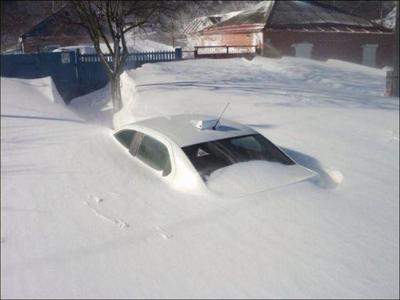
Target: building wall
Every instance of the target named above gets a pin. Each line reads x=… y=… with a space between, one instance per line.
x=335 y=45
x=35 y=44
x=232 y=39
x=325 y=45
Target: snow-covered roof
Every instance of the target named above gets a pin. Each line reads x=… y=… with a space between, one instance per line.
x=389 y=21
x=200 y=23
x=277 y=14
x=255 y=15
x=306 y=12
x=183 y=131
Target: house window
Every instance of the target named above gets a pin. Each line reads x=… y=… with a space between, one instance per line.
x=303 y=49
x=369 y=55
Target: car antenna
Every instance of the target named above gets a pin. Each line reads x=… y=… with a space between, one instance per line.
x=216 y=123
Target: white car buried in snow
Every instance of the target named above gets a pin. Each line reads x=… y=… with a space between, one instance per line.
x=197 y=153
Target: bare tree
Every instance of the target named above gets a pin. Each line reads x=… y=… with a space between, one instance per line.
x=108 y=22
x=173 y=23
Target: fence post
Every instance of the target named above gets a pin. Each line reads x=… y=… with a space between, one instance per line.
x=389 y=83
x=178 y=53
x=77 y=70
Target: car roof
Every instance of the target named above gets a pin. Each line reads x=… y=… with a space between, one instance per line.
x=183 y=131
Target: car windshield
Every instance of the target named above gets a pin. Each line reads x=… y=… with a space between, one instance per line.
x=210 y=156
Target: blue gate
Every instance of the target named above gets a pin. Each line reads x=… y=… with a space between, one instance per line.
x=74 y=74
x=91 y=73
x=60 y=66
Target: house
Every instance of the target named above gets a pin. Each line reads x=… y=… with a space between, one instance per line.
x=304 y=29
x=194 y=27
x=53 y=32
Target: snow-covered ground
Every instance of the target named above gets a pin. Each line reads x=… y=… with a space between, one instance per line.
x=80 y=218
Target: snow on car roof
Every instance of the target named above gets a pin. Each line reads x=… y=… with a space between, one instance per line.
x=183 y=131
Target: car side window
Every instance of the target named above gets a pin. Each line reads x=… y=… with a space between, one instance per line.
x=155 y=154
x=125 y=137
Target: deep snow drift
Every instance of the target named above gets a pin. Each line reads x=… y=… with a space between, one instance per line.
x=80 y=218
x=251 y=177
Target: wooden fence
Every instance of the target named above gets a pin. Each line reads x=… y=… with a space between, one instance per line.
x=73 y=73
x=225 y=51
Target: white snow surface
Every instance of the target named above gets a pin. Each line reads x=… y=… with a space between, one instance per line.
x=81 y=219
x=252 y=177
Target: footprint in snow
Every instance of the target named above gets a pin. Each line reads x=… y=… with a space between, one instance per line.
x=94 y=202
x=165 y=235
x=394 y=135
x=95 y=198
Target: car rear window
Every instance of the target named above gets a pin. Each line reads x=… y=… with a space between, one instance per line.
x=210 y=156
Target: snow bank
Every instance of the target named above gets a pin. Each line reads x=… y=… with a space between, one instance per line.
x=21 y=96
x=83 y=49
x=43 y=86
x=254 y=176
x=95 y=107
x=129 y=95
x=191 y=87
x=81 y=219
x=48 y=89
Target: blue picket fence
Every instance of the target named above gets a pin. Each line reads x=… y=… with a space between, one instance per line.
x=74 y=74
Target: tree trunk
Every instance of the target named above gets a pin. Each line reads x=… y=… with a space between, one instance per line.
x=116 y=92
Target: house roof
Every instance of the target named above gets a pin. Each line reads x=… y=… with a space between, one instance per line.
x=200 y=23
x=55 y=25
x=308 y=12
x=284 y=14
x=255 y=15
